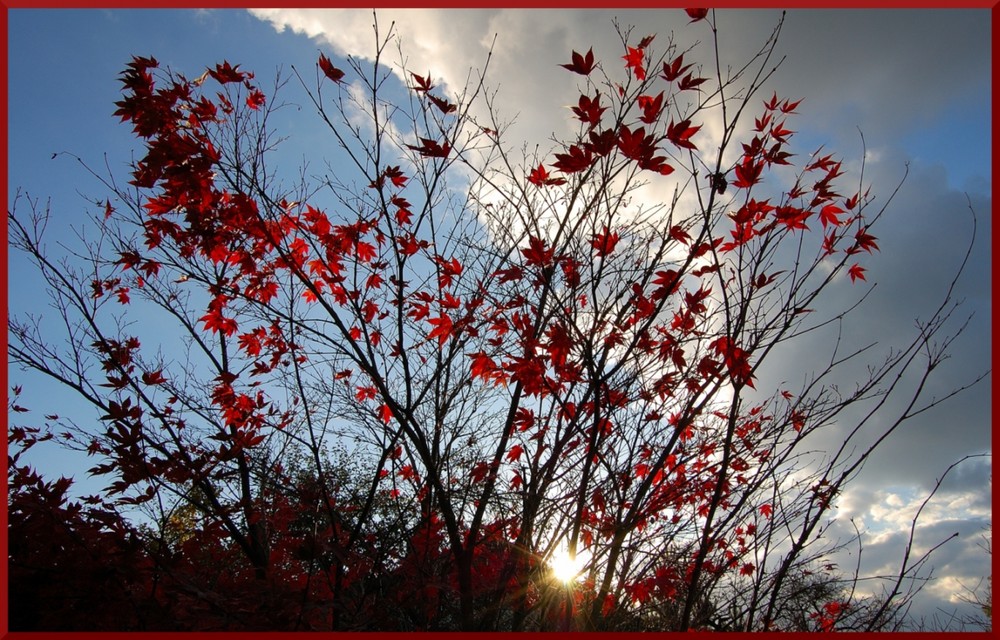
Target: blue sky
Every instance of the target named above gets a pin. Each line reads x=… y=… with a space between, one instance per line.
x=917 y=83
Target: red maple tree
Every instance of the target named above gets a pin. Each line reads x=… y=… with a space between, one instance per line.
x=391 y=408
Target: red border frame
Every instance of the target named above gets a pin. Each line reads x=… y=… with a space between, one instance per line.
x=508 y=4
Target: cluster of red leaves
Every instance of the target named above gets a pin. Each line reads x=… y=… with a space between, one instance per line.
x=632 y=141
x=758 y=218
x=828 y=616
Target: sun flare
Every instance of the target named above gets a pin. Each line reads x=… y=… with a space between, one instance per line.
x=566 y=568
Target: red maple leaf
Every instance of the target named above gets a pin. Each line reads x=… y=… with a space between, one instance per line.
x=225 y=73
x=516 y=481
x=762 y=123
x=409 y=245
x=864 y=242
x=789 y=107
x=576 y=159
x=403 y=214
x=216 y=322
x=448 y=270
x=329 y=70
x=431 y=148
x=442 y=104
x=603 y=143
x=633 y=60
x=798 y=421
x=748 y=173
x=651 y=107
x=423 y=82
x=385 y=413
x=604 y=242
x=480 y=471
x=636 y=144
x=780 y=133
x=515 y=453
x=540 y=177
x=418 y=310
x=673 y=70
x=571 y=273
x=369 y=311
x=153 y=377
x=484 y=368
x=589 y=110
x=524 y=419
x=560 y=343
x=443 y=327
x=689 y=82
x=657 y=164
x=681 y=132
x=536 y=253
x=828 y=215
x=824 y=164
x=857 y=272
x=395 y=176
x=792 y=217
x=509 y=275
x=668 y=282
x=582 y=64
x=256 y=99
x=366 y=252
x=679 y=234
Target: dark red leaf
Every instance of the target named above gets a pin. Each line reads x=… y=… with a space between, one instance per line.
x=480 y=471
x=673 y=70
x=153 y=377
x=431 y=148
x=680 y=134
x=864 y=242
x=696 y=14
x=582 y=64
x=423 y=83
x=537 y=254
x=689 y=82
x=225 y=73
x=604 y=242
x=589 y=110
x=576 y=159
x=330 y=71
x=442 y=104
x=651 y=107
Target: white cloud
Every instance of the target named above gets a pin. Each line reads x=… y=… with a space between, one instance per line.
x=428 y=35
